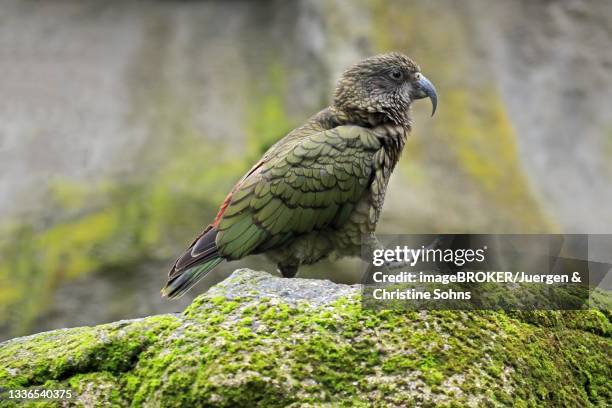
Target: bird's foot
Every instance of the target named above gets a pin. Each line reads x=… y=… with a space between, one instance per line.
x=288 y=271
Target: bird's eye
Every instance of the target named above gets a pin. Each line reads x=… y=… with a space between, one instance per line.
x=397 y=74
x=417 y=76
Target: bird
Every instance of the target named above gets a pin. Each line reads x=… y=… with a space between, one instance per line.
x=318 y=191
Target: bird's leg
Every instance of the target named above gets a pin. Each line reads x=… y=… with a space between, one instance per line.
x=371 y=244
x=288 y=271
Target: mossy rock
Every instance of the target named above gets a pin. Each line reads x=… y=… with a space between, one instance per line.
x=259 y=340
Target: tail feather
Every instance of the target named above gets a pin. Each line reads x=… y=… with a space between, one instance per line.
x=180 y=284
x=201 y=257
x=202 y=249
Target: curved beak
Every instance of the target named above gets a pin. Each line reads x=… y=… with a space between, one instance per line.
x=425 y=89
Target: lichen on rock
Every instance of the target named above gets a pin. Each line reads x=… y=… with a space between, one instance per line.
x=260 y=340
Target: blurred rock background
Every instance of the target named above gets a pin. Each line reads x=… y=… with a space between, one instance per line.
x=124 y=123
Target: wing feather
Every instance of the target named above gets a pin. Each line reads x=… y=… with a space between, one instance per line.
x=312 y=184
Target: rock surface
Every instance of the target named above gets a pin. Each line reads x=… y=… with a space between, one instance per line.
x=259 y=340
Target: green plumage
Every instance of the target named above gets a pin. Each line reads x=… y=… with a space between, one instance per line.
x=320 y=189
x=299 y=191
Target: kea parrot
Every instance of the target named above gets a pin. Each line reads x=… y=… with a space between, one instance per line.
x=319 y=190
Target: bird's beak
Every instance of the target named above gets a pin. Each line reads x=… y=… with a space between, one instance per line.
x=423 y=88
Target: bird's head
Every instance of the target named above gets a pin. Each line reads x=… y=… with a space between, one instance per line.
x=385 y=84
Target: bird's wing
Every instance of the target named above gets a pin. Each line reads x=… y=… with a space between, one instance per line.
x=310 y=184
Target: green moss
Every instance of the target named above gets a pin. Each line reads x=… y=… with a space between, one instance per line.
x=248 y=351
x=594 y=321
x=113 y=348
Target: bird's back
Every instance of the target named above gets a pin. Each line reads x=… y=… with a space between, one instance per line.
x=323 y=120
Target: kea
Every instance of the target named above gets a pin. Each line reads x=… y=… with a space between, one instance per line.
x=317 y=192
